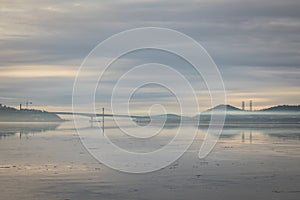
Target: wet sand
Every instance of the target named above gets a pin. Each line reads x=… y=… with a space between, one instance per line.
x=245 y=164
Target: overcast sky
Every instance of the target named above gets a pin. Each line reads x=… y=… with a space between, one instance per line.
x=255 y=44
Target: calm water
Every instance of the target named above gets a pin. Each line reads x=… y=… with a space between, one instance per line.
x=48 y=161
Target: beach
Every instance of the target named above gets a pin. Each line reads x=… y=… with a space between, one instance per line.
x=246 y=163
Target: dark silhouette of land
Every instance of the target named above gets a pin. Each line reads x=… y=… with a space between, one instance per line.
x=233 y=116
x=283 y=108
x=9 y=114
x=278 y=108
x=276 y=114
x=286 y=114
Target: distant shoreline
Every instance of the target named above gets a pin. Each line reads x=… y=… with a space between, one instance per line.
x=9 y=114
x=277 y=114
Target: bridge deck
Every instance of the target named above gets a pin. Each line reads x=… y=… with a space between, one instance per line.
x=96 y=115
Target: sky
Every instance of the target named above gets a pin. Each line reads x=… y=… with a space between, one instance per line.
x=255 y=44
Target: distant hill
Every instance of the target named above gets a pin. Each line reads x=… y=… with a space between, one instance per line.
x=170 y=117
x=283 y=108
x=167 y=115
x=222 y=107
x=276 y=114
x=9 y=114
x=164 y=118
x=232 y=109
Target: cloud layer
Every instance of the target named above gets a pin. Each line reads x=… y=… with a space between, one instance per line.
x=256 y=44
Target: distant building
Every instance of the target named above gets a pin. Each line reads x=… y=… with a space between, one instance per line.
x=243 y=105
x=250 y=105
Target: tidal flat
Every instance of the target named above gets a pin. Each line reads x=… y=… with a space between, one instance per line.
x=48 y=161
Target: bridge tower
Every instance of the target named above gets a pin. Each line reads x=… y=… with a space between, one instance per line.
x=250 y=105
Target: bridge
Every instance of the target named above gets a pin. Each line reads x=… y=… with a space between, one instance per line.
x=92 y=115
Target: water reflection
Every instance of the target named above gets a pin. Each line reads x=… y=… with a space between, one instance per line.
x=285 y=135
x=23 y=129
x=249 y=133
x=244 y=133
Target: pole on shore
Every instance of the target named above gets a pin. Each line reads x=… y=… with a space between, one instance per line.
x=92 y=121
x=103 y=119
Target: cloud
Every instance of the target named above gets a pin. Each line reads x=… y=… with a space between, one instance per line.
x=38 y=71
x=255 y=43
